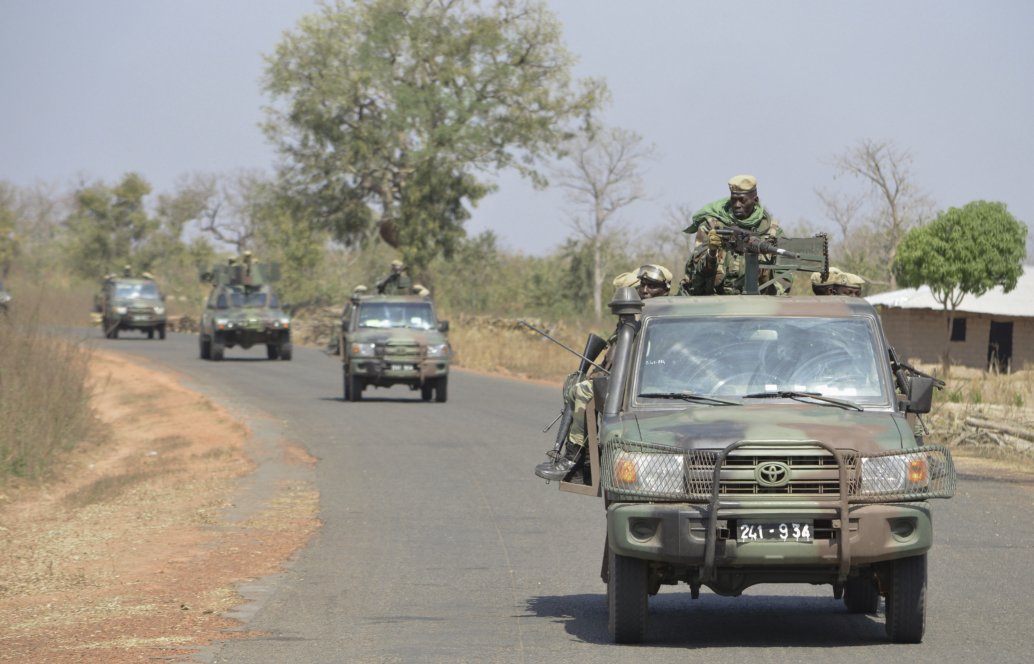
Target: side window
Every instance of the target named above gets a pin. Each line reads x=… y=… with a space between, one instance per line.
x=220 y=302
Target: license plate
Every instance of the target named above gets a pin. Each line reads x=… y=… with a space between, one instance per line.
x=402 y=367
x=774 y=531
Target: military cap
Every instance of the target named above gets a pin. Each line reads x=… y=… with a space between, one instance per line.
x=396 y=263
x=743 y=184
x=420 y=289
x=657 y=273
x=359 y=289
x=626 y=280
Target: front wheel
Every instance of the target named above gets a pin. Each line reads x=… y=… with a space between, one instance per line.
x=353 y=387
x=272 y=351
x=161 y=331
x=150 y=333
x=205 y=347
x=285 y=352
x=627 y=595
x=906 y=600
x=861 y=595
x=218 y=349
x=441 y=389
x=427 y=390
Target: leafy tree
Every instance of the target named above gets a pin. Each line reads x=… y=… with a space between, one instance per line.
x=107 y=226
x=389 y=113
x=964 y=251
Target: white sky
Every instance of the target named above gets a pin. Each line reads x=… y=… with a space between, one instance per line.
x=96 y=89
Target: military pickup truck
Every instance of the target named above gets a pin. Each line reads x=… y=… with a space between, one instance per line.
x=390 y=340
x=243 y=310
x=127 y=303
x=749 y=439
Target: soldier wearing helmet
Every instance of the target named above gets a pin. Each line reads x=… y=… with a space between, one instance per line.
x=398 y=281
x=712 y=269
x=650 y=281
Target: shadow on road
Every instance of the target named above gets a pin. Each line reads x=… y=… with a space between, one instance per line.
x=757 y=621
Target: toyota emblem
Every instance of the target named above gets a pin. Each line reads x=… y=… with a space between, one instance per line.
x=772 y=474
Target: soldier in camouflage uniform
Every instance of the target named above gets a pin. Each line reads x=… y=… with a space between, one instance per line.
x=837 y=283
x=649 y=281
x=713 y=269
x=398 y=282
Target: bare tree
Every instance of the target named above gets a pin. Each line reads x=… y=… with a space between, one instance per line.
x=229 y=211
x=895 y=203
x=601 y=176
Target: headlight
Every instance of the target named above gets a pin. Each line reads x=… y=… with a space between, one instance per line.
x=899 y=473
x=121 y=310
x=159 y=310
x=438 y=350
x=363 y=350
x=650 y=473
x=221 y=322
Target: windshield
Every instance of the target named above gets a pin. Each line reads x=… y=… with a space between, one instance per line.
x=733 y=357
x=416 y=315
x=147 y=291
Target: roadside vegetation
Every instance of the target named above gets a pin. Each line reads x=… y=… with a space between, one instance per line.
x=44 y=395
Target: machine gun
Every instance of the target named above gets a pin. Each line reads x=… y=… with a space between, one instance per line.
x=560 y=464
x=790 y=254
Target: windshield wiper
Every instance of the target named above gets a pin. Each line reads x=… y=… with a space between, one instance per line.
x=689 y=396
x=799 y=396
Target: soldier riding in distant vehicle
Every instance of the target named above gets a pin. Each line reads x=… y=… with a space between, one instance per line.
x=398 y=282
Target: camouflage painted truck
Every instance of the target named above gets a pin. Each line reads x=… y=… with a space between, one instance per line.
x=394 y=340
x=243 y=310
x=751 y=439
x=128 y=303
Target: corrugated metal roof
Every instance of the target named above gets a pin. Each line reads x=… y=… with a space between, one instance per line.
x=1018 y=302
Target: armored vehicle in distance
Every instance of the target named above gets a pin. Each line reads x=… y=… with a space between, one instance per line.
x=243 y=310
x=128 y=303
x=394 y=340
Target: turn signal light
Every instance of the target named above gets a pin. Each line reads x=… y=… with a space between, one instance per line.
x=917 y=471
x=624 y=471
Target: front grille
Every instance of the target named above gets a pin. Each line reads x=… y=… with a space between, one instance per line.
x=809 y=474
x=401 y=353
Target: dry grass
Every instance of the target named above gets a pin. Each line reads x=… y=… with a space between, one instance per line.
x=44 y=400
x=500 y=345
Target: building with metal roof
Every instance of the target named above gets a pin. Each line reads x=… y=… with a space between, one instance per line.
x=990 y=331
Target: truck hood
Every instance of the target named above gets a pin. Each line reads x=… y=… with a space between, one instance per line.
x=399 y=336
x=715 y=427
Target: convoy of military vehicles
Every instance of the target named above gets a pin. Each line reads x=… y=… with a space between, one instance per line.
x=734 y=439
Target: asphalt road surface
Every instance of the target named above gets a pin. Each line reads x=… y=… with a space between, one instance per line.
x=439 y=544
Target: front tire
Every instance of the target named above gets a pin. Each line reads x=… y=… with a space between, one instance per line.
x=441 y=389
x=161 y=331
x=286 y=351
x=218 y=349
x=861 y=595
x=427 y=390
x=205 y=347
x=906 y=600
x=272 y=352
x=353 y=387
x=627 y=595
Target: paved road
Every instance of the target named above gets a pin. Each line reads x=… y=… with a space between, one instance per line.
x=439 y=545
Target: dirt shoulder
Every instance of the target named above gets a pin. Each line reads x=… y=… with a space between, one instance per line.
x=131 y=553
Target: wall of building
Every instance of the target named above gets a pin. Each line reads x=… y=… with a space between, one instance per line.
x=918 y=334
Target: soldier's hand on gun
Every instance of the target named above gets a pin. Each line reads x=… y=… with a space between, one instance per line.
x=714 y=240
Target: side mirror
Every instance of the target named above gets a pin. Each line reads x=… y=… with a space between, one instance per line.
x=443 y=326
x=920 y=394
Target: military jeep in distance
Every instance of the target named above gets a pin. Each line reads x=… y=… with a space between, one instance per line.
x=243 y=310
x=390 y=340
x=127 y=303
x=745 y=439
